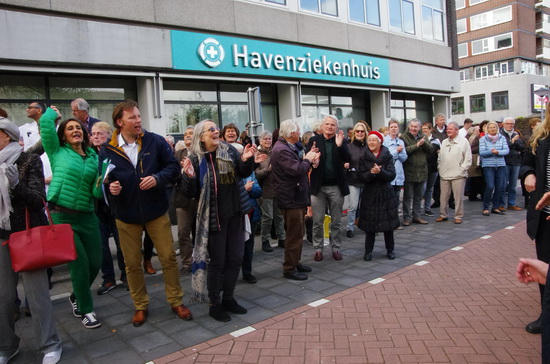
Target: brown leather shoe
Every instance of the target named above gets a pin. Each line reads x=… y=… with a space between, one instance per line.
x=318 y=256
x=458 y=221
x=182 y=312
x=336 y=255
x=515 y=208
x=419 y=221
x=502 y=208
x=148 y=267
x=441 y=219
x=140 y=316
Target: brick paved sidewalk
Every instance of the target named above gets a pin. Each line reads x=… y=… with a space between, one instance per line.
x=463 y=305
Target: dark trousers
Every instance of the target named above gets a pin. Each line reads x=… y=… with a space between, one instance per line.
x=542 y=244
x=106 y=227
x=388 y=239
x=294 y=228
x=226 y=249
x=249 y=250
x=147 y=247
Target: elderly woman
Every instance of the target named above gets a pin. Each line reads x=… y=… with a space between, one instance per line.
x=101 y=134
x=270 y=210
x=213 y=174
x=534 y=173
x=356 y=149
x=492 y=149
x=71 y=199
x=378 y=212
x=22 y=187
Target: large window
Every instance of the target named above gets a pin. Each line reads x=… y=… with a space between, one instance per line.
x=477 y=103
x=402 y=16
x=461 y=26
x=492 y=44
x=187 y=103
x=491 y=18
x=347 y=105
x=499 y=100
x=327 y=7
x=494 y=70
x=463 y=50
x=365 y=11
x=457 y=105
x=464 y=74
x=432 y=19
x=102 y=94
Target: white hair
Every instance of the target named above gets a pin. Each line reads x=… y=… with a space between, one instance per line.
x=288 y=127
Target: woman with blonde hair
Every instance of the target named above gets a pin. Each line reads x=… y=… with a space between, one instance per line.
x=534 y=174
x=356 y=149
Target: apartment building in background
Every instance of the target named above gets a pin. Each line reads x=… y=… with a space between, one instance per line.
x=504 y=58
x=185 y=61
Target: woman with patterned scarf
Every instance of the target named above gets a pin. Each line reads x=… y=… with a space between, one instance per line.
x=213 y=175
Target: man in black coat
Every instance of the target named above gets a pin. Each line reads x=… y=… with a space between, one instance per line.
x=329 y=185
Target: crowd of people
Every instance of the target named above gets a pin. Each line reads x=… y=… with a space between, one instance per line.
x=117 y=179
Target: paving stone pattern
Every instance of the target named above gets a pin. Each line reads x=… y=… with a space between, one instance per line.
x=463 y=306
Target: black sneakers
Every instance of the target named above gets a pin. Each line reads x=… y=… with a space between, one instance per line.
x=90 y=321
x=106 y=287
x=76 y=311
x=233 y=307
x=218 y=313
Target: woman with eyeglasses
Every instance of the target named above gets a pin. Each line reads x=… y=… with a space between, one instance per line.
x=213 y=175
x=357 y=147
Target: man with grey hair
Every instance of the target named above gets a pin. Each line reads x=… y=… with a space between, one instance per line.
x=513 y=164
x=290 y=177
x=440 y=129
x=80 y=108
x=329 y=185
x=418 y=148
x=455 y=157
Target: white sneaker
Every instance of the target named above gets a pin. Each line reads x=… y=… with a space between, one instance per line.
x=90 y=321
x=6 y=359
x=52 y=357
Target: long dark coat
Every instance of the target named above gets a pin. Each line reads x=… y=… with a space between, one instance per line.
x=378 y=210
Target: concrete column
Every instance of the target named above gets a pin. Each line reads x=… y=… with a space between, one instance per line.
x=146 y=95
x=442 y=104
x=287 y=102
x=379 y=106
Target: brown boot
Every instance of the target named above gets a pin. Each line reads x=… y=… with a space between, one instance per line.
x=148 y=267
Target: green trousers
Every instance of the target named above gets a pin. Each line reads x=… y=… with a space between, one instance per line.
x=88 y=249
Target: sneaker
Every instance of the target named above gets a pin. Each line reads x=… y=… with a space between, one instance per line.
x=90 y=321
x=350 y=234
x=52 y=357
x=106 y=287
x=76 y=311
x=428 y=213
x=6 y=359
x=249 y=278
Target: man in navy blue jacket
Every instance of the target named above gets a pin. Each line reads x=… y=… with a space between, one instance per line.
x=144 y=165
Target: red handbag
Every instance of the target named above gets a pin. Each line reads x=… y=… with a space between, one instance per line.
x=42 y=246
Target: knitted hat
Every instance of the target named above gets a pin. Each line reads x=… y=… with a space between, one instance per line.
x=9 y=128
x=378 y=134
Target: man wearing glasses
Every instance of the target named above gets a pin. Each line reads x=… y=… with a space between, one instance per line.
x=29 y=132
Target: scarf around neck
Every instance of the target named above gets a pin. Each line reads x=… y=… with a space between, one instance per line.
x=8 y=156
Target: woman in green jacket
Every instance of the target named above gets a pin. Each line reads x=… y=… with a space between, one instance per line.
x=70 y=198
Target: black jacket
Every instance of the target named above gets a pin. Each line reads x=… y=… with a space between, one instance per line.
x=378 y=211
x=191 y=187
x=155 y=158
x=340 y=155
x=356 y=150
x=28 y=193
x=535 y=164
x=516 y=149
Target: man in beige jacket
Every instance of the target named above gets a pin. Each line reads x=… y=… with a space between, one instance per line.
x=455 y=157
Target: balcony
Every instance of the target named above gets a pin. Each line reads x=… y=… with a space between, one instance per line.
x=543 y=27
x=542 y=3
x=543 y=53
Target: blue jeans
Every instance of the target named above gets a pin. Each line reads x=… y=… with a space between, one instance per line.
x=354 y=195
x=510 y=183
x=432 y=177
x=494 y=180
